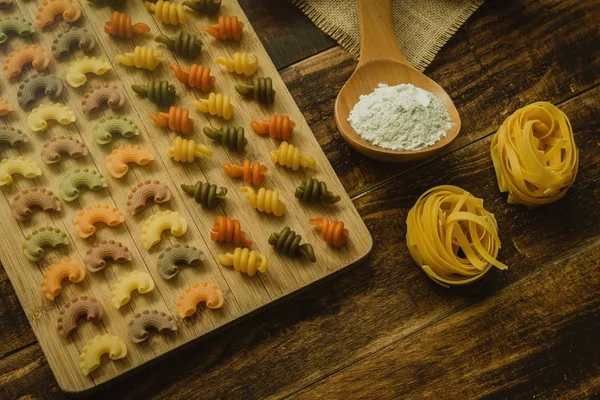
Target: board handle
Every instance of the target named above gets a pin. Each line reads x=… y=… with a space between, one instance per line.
x=378 y=39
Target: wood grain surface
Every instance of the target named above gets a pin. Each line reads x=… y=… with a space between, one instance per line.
x=383 y=330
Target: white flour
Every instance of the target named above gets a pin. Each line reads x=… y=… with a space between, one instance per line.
x=401 y=117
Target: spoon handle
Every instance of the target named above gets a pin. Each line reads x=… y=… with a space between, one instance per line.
x=378 y=40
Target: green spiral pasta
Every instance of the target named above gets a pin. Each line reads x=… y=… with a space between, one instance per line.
x=288 y=242
x=209 y=7
x=182 y=44
x=313 y=190
x=205 y=194
x=261 y=90
x=231 y=137
x=159 y=92
x=110 y=3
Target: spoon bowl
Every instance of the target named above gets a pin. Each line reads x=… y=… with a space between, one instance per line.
x=382 y=62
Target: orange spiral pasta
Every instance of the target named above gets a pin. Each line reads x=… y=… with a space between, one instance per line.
x=226 y=28
x=120 y=26
x=253 y=173
x=196 y=77
x=229 y=230
x=333 y=232
x=177 y=119
x=278 y=127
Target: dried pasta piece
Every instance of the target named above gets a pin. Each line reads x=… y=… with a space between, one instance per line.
x=149 y=319
x=184 y=150
x=266 y=200
x=38 y=117
x=17 y=25
x=157 y=223
x=70 y=182
x=240 y=63
x=205 y=292
x=23 y=204
x=109 y=126
x=253 y=173
x=38 y=85
x=25 y=167
x=196 y=76
x=120 y=25
x=49 y=9
x=452 y=237
x=229 y=230
x=110 y=3
x=169 y=260
x=289 y=156
x=117 y=162
x=94 y=349
x=333 y=232
x=77 y=308
x=208 y=7
x=16 y=61
x=288 y=242
x=313 y=190
x=73 y=37
x=231 y=137
x=93 y=99
x=182 y=44
x=96 y=257
x=86 y=218
x=167 y=12
x=36 y=241
x=535 y=156
x=260 y=90
x=177 y=119
x=143 y=57
x=245 y=261
x=277 y=126
x=161 y=93
x=5 y=108
x=12 y=136
x=226 y=28
x=145 y=191
x=217 y=104
x=134 y=280
x=52 y=149
x=205 y=194
x=65 y=268
x=75 y=72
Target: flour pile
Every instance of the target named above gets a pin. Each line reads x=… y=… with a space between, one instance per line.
x=402 y=117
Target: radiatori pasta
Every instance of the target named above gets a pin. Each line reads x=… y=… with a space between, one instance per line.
x=452 y=237
x=534 y=155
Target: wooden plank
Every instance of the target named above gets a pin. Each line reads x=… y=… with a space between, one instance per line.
x=536 y=338
x=505 y=56
x=243 y=295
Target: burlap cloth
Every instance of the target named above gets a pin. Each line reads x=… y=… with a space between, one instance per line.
x=422 y=26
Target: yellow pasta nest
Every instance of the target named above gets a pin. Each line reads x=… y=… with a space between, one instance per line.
x=135 y=280
x=184 y=150
x=17 y=165
x=266 y=200
x=535 y=156
x=240 y=63
x=217 y=104
x=287 y=155
x=95 y=348
x=245 y=261
x=75 y=73
x=143 y=57
x=452 y=237
x=167 y=12
x=157 y=223
x=38 y=117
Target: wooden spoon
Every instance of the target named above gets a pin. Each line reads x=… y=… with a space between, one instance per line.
x=381 y=61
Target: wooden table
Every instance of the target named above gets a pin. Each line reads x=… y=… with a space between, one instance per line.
x=382 y=329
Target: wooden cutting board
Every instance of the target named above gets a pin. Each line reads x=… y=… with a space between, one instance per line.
x=242 y=294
